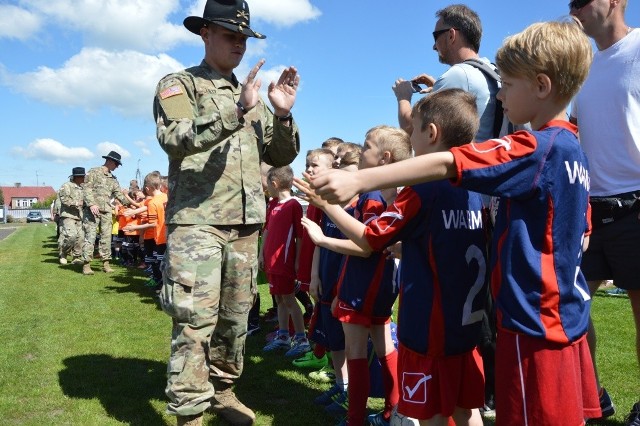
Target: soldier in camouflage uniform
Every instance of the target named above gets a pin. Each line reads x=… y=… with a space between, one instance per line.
x=100 y=186
x=71 y=236
x=215 y=132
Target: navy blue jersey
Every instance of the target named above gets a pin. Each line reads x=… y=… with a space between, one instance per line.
x=330 y=262
x=543 y=180
x=443 y=278
x=366 y=284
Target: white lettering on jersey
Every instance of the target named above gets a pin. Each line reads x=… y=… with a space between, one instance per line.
x=579 y=172
x=458 y=219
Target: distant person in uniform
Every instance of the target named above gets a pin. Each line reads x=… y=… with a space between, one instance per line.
x=100 y=186
x=71 y=236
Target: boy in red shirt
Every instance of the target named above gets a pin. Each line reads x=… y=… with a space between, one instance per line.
x=280 y=256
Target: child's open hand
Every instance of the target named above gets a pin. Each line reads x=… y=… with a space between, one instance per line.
x=309 y=194
x=335 y=186
x=313 y=229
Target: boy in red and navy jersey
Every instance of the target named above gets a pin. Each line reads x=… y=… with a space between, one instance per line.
x=442 y=278
x=545 y=373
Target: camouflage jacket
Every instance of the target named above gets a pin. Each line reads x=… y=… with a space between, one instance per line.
x=100 y=186
x=71 y=197
x=214 y=158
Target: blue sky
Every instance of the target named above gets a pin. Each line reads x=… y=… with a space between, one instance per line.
x=77 y=77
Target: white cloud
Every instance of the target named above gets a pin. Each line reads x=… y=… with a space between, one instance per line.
x=105 y=148
x=143 y=147
x=52 y=150
x=282 y=13
x=117 y=24
x=17 y=23
x=95 y=78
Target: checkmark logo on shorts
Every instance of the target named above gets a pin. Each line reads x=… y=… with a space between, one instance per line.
x=411 y=384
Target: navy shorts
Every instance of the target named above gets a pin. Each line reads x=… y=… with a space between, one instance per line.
x=332 y=328
x=614 y=253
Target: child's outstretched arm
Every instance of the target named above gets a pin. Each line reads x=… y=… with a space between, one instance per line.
x=351 y=227
x=347 y=247
x=336 y=186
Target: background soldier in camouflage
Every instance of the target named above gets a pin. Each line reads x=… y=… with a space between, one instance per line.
x=100 y=186
x=215 y=132
x=71 y=236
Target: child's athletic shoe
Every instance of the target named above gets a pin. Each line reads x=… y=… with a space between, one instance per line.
x=616 y=292
x=298 y=347
x=488 y=411
x=271 y=315
x=252 y=329
x=377 y=420
x=280 y=342
x=339 y=406
x=633 y=419
x=606 y=406
x=326 y=397
x=309 y=360
x=325 y=375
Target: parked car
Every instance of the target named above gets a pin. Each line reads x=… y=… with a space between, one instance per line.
x=34 y=217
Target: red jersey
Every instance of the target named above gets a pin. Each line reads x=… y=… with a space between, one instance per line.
x=283 y=228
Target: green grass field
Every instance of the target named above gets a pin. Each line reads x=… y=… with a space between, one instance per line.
x=93 y=350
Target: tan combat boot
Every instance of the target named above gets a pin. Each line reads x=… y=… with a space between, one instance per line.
x=195 y=420
x=86 y=269
x=106 y=267
x=226 y=405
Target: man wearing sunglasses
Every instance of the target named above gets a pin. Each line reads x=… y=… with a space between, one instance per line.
x=607 y=111
x=456 y=38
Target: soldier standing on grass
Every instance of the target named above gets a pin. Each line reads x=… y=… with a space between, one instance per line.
x=215 y=132
x=71 y=236
x=100 y=187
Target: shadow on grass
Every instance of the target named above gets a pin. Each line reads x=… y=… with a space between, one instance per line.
x=132 y=281
x=124 y=386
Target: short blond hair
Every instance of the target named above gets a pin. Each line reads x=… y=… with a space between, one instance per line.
x=560 y=50
x=392 y=139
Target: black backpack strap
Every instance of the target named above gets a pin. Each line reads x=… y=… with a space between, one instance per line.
x=485 y=68
x=491 y=73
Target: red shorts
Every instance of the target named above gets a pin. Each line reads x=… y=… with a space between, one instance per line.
x=345 y=313
x=281 y=284
x=437 y=385
x=544 y=383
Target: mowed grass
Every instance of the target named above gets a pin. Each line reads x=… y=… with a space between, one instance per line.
x=93 y=350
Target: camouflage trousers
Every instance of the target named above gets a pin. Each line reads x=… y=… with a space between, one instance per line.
x=71 y=238
x=208 y=289
x=90 y=224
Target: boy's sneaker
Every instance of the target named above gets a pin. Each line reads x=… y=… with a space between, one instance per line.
x=326 y=397
x=633 y=419
x=280 y=342
x=151 y=282
x=606 y=406
x=271 y=315
x=339 y=406
x=252 y=329
x=616 y=292
x=377 y=420
x=299 y=347
x=325 y=375
x=309 y=360
x=488 y=411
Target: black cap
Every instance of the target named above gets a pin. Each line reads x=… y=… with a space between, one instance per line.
x=77 y=171
x=113 y=156
x=230 y=14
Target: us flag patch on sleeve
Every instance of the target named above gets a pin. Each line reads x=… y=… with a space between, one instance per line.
x=171 y=91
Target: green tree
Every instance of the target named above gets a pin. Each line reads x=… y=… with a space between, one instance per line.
x=44 y=204
x=1 y=198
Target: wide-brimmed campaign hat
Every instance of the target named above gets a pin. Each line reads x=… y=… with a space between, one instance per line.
x=77 y=171
x=113 y=156
x=230 y=14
